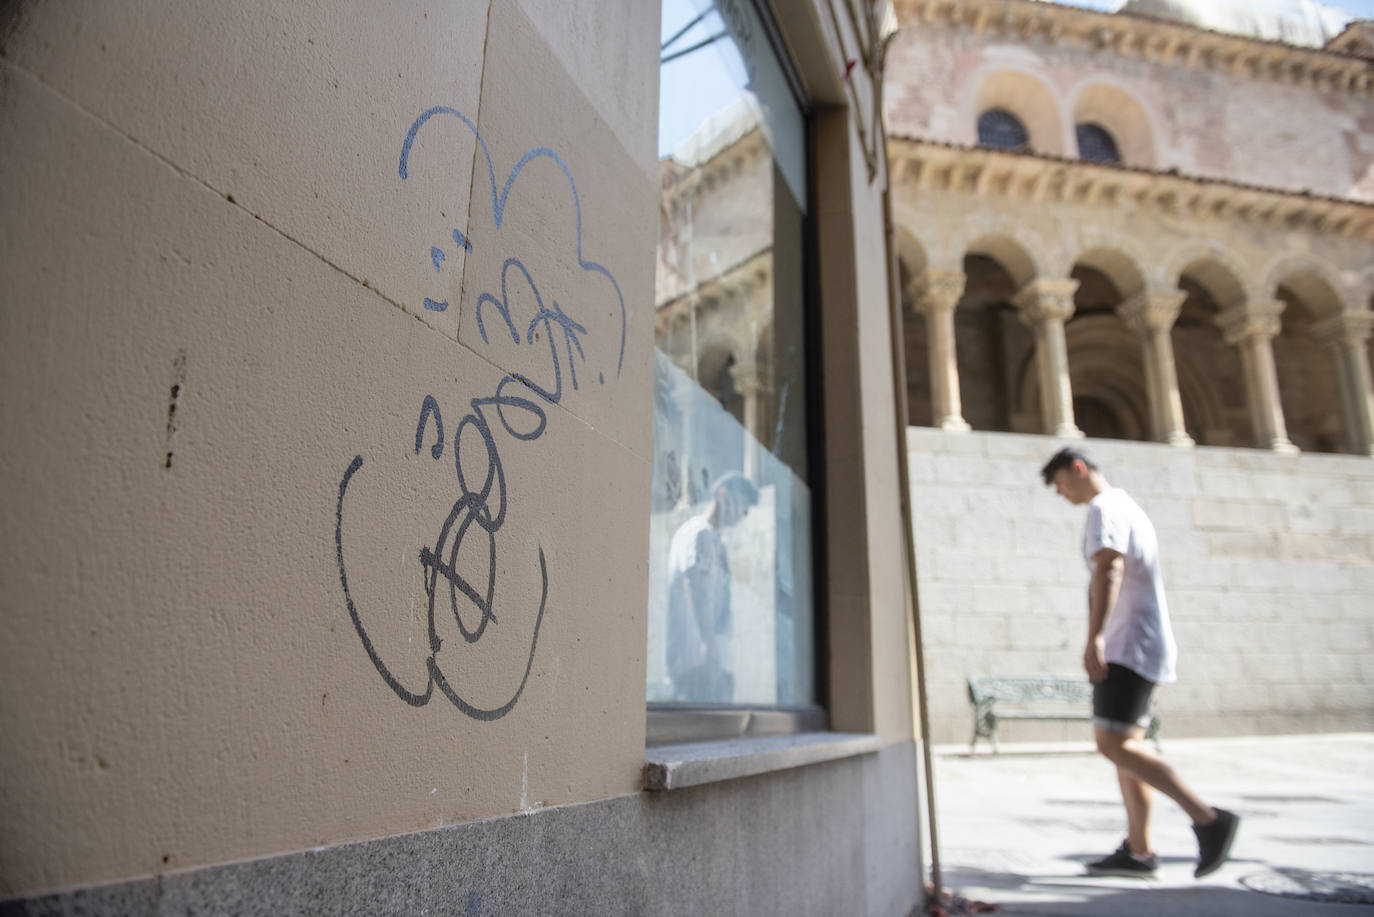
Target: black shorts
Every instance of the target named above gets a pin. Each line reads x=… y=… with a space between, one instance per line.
x=1121 y=701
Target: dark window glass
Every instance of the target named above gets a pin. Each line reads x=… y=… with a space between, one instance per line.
x=1001 y=130
x=1096 y=144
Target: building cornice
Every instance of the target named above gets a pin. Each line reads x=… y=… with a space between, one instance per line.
x=736 y=282
x=1144 y=38
x=1356 y=41
x=931 y=165
x=680 y=181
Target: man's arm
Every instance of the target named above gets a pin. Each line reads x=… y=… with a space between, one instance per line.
x=1102 y=593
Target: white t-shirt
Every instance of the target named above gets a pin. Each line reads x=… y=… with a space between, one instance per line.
x=696 y=636
x=1137 y=634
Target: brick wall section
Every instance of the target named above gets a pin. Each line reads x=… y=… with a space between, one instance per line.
x=1268 y=563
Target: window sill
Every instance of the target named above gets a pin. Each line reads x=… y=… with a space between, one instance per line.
x=674 y=767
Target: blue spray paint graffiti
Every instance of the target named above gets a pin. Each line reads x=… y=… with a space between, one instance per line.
x=498 y=201
x=479 y=512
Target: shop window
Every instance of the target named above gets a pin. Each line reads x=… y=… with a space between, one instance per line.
x=1001 y=130
x=1096 y=144
x=730 y=616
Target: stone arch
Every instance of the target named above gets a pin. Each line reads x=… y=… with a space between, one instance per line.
x=1011 y=250
x=1309 y=379
x=913 y=255
x=771 y=426
x=911 y=261
x=1215 y=280
x=1120 y=261
x=1363 y=289
x=1214 y=268
x=1204 y=413
x=1000 y=258
x=1105 y=367
x=716 y=356
x=1105 y=370
x=1315 y=282
x=1025 y=94
x=1100 y=100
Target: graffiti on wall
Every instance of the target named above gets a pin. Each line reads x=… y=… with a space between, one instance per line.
x=550 y=341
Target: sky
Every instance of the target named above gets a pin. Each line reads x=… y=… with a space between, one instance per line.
x=696 y=86
x=1356 y=9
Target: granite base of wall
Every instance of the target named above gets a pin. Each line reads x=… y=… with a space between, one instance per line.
x=836 y=838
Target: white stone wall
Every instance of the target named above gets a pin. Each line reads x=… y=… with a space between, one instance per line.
x=1268 y=562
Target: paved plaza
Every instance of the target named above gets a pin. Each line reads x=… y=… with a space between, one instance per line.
x=1016 y=828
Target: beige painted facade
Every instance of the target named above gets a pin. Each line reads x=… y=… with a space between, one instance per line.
x=327 y=371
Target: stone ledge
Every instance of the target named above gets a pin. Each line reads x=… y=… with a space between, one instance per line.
x=673 y=767
x=944 y=166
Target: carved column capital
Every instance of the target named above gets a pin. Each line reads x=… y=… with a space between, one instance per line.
x=937 y=290
x=747 y=378
x=1251 y=320
x=1152 y=310
x=1046 y=299
x=1347 y=328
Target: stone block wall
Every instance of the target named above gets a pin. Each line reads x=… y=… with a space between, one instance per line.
x=1268 y=562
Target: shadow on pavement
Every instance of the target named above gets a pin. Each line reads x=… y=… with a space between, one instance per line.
x=1074 y=894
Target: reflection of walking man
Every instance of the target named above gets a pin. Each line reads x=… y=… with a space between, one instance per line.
x=698 y=638
x=1130 y=648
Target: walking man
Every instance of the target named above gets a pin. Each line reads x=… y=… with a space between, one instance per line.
x=699 y=614
x=1130 y=649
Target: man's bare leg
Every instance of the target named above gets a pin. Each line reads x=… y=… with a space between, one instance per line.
x=1129 y=753
x=1138 y=797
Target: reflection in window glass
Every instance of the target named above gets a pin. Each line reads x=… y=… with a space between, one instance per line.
x=730 y=598
x=1001 y=130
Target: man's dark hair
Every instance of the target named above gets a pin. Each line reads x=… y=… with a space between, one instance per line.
x=1064 y=458
x=739 y=485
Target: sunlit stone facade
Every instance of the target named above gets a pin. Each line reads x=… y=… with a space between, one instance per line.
x=1212 y=286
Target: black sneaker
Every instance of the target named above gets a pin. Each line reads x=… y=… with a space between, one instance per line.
x=1214 y=842
x=1124 y=863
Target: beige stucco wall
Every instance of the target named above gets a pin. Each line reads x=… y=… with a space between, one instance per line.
x=1207 y=121
x=225 y=485
x=214 y=283
x=869 y=639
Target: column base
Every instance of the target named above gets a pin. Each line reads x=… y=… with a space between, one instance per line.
x=1068 y=431
x=1283 y=447
x=1180 y=440
x=955 y=423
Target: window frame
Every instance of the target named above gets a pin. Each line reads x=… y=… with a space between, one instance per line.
x=672 y=723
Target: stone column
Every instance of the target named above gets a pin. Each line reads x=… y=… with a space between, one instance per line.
x=1045 y=304
x=936 y=292
x=1346 y=335
x=1252 y=327
x=1151 y=315
x=749 y=385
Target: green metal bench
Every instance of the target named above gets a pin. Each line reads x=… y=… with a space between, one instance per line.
x=1032 y=697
